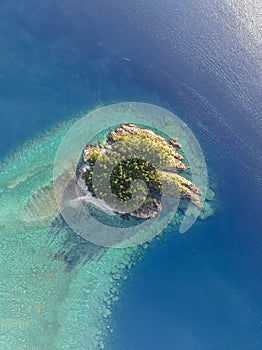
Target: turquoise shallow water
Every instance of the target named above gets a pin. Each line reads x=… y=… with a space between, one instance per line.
x=58 y=289
x=201 y=60
x=46 y=303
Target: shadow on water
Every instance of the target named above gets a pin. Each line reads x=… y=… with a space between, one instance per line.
x=74 y=249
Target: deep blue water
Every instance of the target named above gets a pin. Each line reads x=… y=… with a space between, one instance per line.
x=58 y=60
x=202 y=291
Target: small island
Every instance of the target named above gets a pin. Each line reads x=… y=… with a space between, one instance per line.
x=166 y=179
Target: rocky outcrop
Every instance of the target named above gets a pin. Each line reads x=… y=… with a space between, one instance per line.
x=178 y=186
x=165 y=182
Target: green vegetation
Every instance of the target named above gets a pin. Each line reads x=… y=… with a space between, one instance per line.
x=160 y=153
x=123 y=175
x=131 y=153
x=127 y=171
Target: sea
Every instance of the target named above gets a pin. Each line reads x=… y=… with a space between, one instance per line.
x=201 y=290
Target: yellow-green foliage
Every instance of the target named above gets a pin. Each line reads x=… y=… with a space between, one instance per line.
x=161 y=154
x=130 y=169
x=92 y=156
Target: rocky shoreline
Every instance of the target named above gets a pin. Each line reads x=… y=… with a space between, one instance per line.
x=169 y=181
